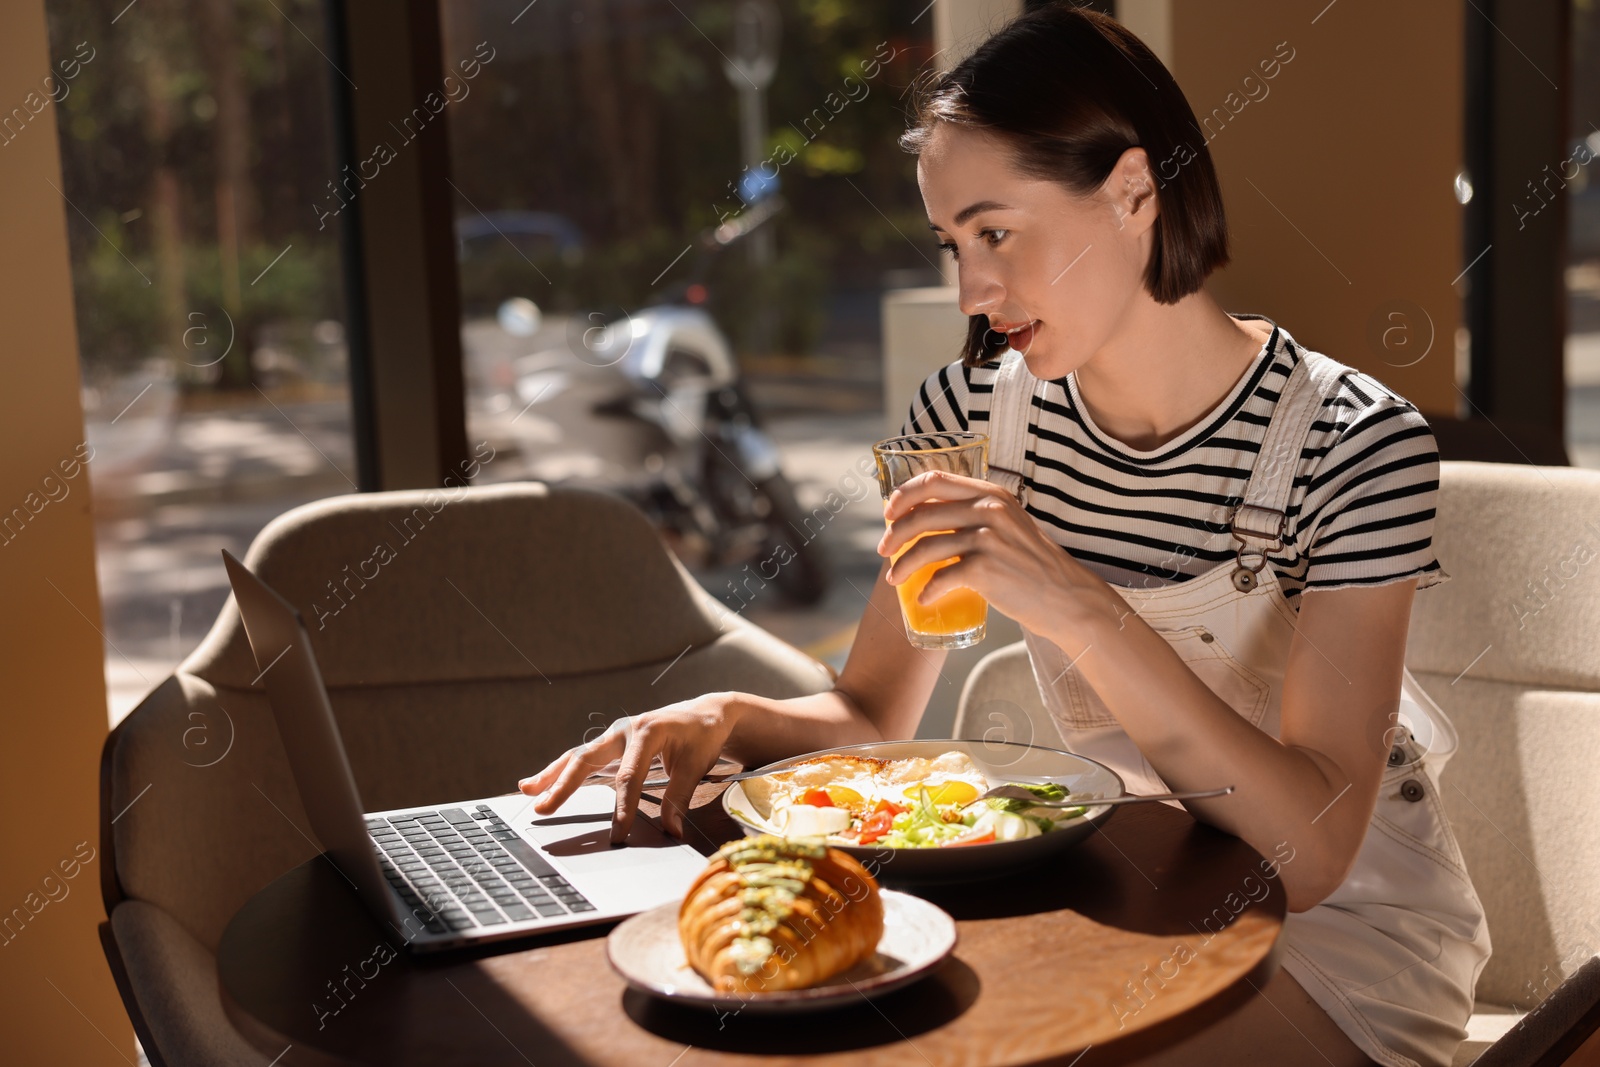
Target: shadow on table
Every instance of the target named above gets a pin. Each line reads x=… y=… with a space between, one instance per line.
x=916 y=1009
x=304 y=962
x=1109 y=877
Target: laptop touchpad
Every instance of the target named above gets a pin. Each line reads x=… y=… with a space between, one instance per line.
x=579 y=834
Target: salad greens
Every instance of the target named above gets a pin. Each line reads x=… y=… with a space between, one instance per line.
x=925 y=825
x=922 y=825
x=1042 y=790
x=1044 y=818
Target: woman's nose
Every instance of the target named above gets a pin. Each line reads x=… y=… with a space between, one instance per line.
x=978 y=293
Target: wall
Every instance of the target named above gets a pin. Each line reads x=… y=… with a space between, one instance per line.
x=922 y=331
x=1338 y=180
x=959 y=26
x=59 y=1004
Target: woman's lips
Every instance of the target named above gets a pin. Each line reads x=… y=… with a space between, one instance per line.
x=1021 y=337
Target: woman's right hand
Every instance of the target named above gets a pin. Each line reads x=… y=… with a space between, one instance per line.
x=688 y=735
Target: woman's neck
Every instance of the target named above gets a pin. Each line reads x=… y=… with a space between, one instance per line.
x=1168 y=367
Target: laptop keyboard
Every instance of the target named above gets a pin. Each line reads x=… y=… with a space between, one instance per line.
x=460 y=870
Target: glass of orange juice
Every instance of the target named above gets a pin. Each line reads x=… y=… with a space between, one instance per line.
x=958 y=618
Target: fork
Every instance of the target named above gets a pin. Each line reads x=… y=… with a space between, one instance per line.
x=1016 y=792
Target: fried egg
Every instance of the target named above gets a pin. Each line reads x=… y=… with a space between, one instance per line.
x=856 y=784
x=850 y=783
x=950 y=778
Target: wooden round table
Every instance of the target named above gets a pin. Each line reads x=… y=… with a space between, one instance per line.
x=1148 y=930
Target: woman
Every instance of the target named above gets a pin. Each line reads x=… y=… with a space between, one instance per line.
x=1212 y=547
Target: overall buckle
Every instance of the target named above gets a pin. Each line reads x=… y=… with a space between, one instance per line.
x=1253 y=522
x=1266 y=524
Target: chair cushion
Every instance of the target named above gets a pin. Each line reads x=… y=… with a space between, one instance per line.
x=1488 y=1024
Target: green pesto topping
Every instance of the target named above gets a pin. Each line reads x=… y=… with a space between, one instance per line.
x=750 y=954
x=773 y=872
x=768 y=848
x=787 y=873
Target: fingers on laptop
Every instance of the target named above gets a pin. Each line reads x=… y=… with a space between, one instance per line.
x=537 y=783
x=534 y=784
x=675 y=800
x=556 y=783
x=631 y=775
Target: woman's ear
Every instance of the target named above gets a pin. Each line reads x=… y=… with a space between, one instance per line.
x=1142 y=195
x=1133 y=189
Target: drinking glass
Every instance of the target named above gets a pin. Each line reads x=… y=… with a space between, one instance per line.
x=957 y=619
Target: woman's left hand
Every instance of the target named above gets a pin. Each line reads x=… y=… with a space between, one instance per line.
x=1002 y=554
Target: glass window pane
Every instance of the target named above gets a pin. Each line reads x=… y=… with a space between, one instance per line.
x=614 y=337
x=194 y=142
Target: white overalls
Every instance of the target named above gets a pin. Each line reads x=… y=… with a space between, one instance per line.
x=1394 y=953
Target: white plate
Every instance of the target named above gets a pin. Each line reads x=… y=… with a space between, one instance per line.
x=917 y=936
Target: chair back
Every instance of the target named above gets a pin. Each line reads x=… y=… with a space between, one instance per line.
x=1000 y=701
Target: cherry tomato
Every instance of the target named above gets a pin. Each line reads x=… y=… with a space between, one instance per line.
x=960 y=841
x=875 y=826
x=817 y=798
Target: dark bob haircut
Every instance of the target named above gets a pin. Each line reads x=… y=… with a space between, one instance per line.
x=1071 y=90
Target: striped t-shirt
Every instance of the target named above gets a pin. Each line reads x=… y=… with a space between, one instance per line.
x=1360 y=512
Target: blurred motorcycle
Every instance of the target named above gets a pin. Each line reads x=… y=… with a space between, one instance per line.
x=650 y=404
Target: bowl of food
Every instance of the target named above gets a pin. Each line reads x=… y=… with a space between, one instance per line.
x=909 y=811
x=779 y=925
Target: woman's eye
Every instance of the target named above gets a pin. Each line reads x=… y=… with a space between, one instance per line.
x=949 y=249
x=994 y=237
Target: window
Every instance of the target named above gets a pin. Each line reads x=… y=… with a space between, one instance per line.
x=597 y=152
x=194 y=142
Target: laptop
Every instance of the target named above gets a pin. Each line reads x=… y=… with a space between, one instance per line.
x=449 y=875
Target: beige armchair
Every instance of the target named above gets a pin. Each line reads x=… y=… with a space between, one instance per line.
x=1510 y=648
x=466 y=638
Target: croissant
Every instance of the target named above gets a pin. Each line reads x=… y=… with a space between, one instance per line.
x=771 y=913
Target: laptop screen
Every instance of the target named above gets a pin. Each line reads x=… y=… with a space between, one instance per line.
x=309 y=733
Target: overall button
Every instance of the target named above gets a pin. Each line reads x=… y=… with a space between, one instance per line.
x=1404 y=751
x=1207 y=636
x=1411 y=789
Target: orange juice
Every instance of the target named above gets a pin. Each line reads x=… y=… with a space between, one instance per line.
x=957 y=611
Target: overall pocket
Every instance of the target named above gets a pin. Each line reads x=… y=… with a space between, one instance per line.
x=1411 y=813
x=1204 y=653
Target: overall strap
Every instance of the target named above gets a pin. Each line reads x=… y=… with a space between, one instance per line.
x=1010 y=408
x=1259 y=520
